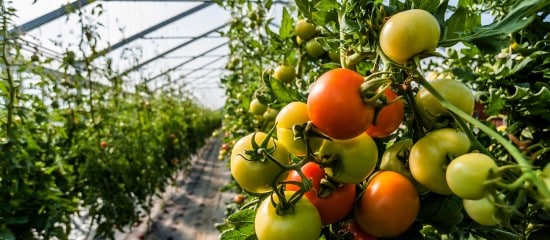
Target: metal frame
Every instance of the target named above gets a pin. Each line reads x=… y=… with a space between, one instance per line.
x=77 y=4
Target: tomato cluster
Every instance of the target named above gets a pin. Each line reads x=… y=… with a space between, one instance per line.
x=367 y=149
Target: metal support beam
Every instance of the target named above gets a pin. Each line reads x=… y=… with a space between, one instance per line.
x=188 y=61
x=153 y=28
x=48 y=17
x=173 y=49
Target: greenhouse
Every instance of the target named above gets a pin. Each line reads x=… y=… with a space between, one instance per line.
x=274 y=119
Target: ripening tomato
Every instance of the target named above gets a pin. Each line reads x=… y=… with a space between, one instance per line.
x=389 y=117
x=482 y=211
x=333 y=204
x=284 y=73
x=453 y=91
x=428 y=158
x=251 y=172
x=395 y=157
x=256 y=107
x=294 y=113
x=352 y=160
x=305 y=30
x=314 y=49
x=467 y=174
x=335 y=105
x=302 y=223
x=388 y=206
x=409 y=33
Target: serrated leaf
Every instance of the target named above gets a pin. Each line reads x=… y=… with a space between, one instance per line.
x=428 y=5
x=286 y=28
x=442 y=212
x=246 y=233
x=242 y=218
x=462 y=20
x=489 y=37
x=327 y=5
x=305 y=7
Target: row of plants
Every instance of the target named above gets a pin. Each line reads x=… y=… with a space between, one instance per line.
x=365 y=119
x=70 y=145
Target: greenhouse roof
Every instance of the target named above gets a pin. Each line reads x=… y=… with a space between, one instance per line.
x=163 y=43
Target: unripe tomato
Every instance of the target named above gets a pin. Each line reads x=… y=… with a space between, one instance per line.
x=467 y=173
x=256 y=107
x=482 y=211
x=314 y=49
x=428 y=157
x=335 y=105
x=388 y=206
x=302 y=223
x=270 y=114
x=409 y=33
x=453 y=91
x=389 y=117
x=255 y=175
x=284 y=73
x=355 y=160
x=305 y=30
x=294 y=113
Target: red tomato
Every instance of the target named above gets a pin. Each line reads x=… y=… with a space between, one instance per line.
x=389 y=117
x=389 y=205
x=335 y=105
x=332 y=206
x=356 y=232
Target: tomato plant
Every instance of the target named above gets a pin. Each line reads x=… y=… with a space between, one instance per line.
x=349 y=161
x=303 y=222
x=256 y=107
x=314 y=49
x=334 y=99
x=254 y=172
x=388 y=206
x=389 y=118
x=409 y=33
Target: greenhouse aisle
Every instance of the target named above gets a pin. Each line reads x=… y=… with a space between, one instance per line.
x=190 y=208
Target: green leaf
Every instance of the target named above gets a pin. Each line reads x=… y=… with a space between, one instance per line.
x=443 y=212
x=490 y=37
x=286 y=28
x=243 y=226
x=6 y=233
x=428 y=5
x=327 y=5
x=462 y=20
x=305 y=7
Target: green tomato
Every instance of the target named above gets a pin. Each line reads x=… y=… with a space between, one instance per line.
x=270 y=114
x=302 y=223
x=453 y=91
x=482 y=211
x=305 y=30
x=252 y=173
x=284 y=73
x=294 y=113
x=409 y=33
x=256 y=107
x=355 y=158
x=429 y=157
x=314 y=49
x=394 y=159
x=466 y=174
